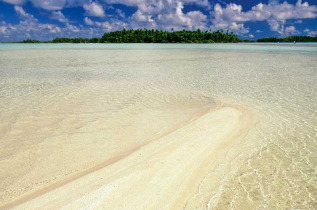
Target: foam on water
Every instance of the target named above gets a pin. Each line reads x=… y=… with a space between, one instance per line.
x=106 y=99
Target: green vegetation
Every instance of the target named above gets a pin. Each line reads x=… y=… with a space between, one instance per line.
x=160 y=36
x=30 y=41
x=64 y=40
x=247 y=40
x=152 y=36
x=289 y=39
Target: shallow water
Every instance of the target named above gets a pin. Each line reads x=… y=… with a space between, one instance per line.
x=299 y=48
x=59 y=105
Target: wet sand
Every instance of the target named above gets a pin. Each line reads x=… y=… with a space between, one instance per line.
x=149 y=129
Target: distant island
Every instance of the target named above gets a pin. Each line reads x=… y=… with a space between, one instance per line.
x=161 y=36
x=289 y=39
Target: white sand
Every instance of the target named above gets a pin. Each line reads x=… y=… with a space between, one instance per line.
x=150 y=176
x=141 y=129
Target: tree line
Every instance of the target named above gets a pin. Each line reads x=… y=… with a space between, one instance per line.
x=152 y=36
x=64 y=40
x=161 y=36
x=289 y=39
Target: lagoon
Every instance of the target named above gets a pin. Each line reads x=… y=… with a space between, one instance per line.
x=167 y=126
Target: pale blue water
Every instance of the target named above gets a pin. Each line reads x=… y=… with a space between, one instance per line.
x=299 y=48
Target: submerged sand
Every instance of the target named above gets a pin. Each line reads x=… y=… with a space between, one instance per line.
x=157 y=129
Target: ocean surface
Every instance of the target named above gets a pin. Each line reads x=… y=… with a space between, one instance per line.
x=65 y=108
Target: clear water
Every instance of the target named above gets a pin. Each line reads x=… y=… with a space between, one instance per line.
x=91 y=99
x=304 y=48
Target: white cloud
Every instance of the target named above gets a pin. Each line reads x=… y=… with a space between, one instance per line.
x=120 y=13
x=140 y=17
x=162 y=14
x=281 y=12
x=23 y=15
x=276 y=25
x=154 y=6
x=229 y=18
x=106 y=25
x=58 y=15
x=29 y=27
x=196 y=20
x=165 y=13
x=72 y=28
x=14 y=1
x=49 y=4
x=88 y=21
x=168 y=15
x=310 y=32
x=237 y=27
x=19 y=10
x=3 y=30
x=291 y=30
x=274 y=13
x=94 y=9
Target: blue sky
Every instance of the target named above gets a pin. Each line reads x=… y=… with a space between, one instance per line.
x=250 y=19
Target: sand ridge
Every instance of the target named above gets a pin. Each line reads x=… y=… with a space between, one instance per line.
x=163 y=174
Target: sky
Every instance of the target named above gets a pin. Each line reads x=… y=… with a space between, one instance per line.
x=249 y=19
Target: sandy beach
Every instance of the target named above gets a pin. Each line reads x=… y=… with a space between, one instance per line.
x=157 y=129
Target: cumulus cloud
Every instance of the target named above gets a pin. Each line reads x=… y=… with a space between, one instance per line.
x=165 y=14
x=49 y=4
x=58 y=15
x=141 y=17
x=120 y=13
x=20 y=11
x=25 y=16
x=310 y=32
x=274 y=13
x=3 y=30
x=106 y=25
x=94 y=9
x=291 y=30
x=229 y=18
x=29 y=27
x=14 y=1
x=88 y=21
x=158 y=5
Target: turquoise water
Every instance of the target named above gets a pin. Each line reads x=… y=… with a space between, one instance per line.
x=301 y=48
